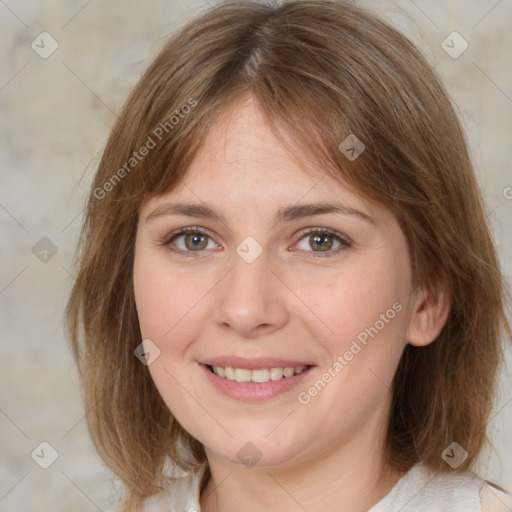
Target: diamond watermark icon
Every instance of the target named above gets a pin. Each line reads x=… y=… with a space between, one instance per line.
x=147 y=352
x=249 y=250
x=44 y=455
x=44 y=250
x=249 y=455
x=44 y=45
x=454 y=455
x=454 y=45
x=352 y=147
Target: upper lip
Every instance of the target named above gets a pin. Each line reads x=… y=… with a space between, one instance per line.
x=254 y=363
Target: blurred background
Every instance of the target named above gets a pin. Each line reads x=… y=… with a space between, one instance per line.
x=65 y=70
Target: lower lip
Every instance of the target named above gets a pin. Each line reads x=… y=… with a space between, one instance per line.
x=253 y=391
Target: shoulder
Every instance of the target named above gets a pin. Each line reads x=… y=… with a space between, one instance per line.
x=423 y=490
x=494 y=499
x=181 y=496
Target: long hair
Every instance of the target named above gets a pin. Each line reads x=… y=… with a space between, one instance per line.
x=320 y=72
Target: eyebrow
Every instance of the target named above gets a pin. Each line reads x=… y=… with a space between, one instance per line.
x=284 y=214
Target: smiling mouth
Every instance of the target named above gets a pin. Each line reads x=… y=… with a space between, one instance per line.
x=260 y=375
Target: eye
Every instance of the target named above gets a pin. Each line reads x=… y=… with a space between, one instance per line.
x=322 y=240
x=189 y=240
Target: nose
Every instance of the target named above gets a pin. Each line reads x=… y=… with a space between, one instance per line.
x=251 y=300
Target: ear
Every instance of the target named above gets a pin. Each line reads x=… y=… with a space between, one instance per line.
x=431 y=306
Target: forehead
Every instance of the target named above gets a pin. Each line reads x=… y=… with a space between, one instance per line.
x=243 y=164
x=243 y=143
x=242 y=153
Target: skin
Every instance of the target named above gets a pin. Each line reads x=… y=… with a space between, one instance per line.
x=321 y=456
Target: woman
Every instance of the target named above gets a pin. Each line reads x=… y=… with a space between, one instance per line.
x=287 y=285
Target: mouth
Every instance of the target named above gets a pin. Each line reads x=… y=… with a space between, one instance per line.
x=259 y=375
x=254 y=380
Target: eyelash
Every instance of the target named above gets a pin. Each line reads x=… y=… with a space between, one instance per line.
x=344 y=241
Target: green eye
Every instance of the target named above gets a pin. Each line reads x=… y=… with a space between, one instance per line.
x=317 y=242
x=189 y=240
x=322 y=240
x=195 y=242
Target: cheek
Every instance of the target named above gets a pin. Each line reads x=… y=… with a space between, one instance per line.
x=170 y=301
x=355 y=299
x=365 y=318
x=165 y=303
x=155 y=289
x=151 y=297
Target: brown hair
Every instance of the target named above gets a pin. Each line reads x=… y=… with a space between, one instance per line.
x=319 y=70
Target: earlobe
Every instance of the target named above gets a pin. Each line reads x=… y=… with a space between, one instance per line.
x=430 y=313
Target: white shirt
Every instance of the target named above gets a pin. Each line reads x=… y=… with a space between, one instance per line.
x=419 y=490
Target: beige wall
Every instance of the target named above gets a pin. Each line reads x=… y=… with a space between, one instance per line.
x=56 y=113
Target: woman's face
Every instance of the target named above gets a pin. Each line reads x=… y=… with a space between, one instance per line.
x=261 y=295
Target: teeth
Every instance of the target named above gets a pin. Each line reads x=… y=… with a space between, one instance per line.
x=276 y=373
x=260 y=375
x=242 y=375
x=288 y=372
